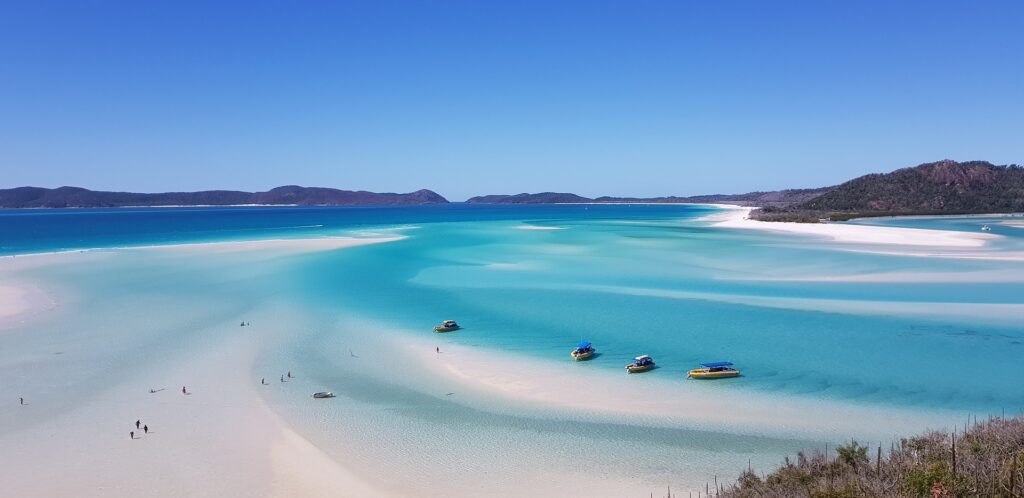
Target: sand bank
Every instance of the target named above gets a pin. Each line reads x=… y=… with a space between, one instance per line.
x=219 y=440
x=560 y=388
x=275 y=246
x=737 y=217
x=21 y=301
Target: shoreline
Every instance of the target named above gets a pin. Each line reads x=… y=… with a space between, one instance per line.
x=738 y=217
x=544 y=386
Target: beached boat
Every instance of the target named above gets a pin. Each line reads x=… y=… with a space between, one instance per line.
x=447 y=326
x=640 y=364
x=716 y=370
x=323 y=394
x=583 y=351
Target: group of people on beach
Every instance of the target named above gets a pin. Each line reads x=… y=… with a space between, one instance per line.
x=264 y=379
x=145 y=429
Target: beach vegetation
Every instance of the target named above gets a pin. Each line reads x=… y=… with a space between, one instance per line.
x=983 y=459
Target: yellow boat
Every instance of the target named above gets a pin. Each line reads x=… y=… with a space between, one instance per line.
x=716 y=370
x=640 y=364
x=447 y=326
x=583 y=351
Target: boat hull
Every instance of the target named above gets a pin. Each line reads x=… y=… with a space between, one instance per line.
x=445 y=329
x=581 y=356
x=704 y=374
x=638 y=369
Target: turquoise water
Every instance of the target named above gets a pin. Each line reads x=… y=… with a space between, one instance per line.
x=806 y=321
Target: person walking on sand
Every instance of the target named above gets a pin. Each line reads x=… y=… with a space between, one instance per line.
x=145 y=429
x=289 y=374
x=22 y=401
x=438 y=349
x=132 y=434
x=137 y=424
x=183 y=390
x=282 y=378
x=263 y=381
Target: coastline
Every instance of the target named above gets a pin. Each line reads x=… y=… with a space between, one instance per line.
x=858 y=234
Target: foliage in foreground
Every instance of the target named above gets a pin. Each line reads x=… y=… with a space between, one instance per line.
x=988 y=460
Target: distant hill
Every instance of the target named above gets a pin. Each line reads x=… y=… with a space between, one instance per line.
x=944 y=187
x=771 y=198
x=35 y=197
x=775 y=198
x=541 y=198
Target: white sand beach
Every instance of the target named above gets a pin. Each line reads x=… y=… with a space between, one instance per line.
x=503 y=378
x=221 y=439
x=738 y=217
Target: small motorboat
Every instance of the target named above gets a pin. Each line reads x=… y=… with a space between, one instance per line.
x=447 y=326
x=323 y=394
x=716 y=370
x=583 y=351
x=986 y=228
x=640 y=364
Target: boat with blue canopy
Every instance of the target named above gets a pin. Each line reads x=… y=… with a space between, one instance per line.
x=714 y=370
x=584 y=350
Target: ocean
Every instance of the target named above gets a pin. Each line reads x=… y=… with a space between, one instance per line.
x=827 y=329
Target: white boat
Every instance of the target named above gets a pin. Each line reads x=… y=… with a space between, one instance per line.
x=986 y=228
x=323 y=394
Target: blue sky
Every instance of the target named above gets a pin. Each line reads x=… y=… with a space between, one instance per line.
x=476 y=97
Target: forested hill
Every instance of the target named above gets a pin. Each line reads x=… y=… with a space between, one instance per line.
x=944 y=187
x=36 y=197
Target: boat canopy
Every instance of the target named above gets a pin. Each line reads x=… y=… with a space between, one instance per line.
x=642 y=358
x=583 y=345
x=717 y=364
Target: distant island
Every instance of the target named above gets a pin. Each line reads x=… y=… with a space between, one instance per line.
x=74 y=197
x=773 y=198
x=943 y=187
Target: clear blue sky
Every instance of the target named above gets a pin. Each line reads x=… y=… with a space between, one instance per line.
x=475 y=97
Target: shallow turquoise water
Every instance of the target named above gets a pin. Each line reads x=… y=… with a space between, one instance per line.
x=633 y=279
